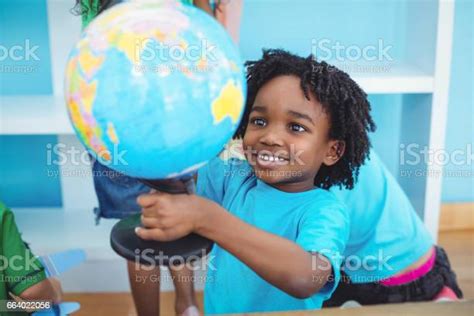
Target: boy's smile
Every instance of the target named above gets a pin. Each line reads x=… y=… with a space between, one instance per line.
x=286 y=139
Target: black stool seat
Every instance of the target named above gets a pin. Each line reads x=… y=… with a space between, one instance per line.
x=127 y=244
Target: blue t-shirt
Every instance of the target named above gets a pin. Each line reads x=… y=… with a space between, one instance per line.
x=314 y=220
x=386 y=234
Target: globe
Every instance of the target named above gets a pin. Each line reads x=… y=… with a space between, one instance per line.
x=154 y=89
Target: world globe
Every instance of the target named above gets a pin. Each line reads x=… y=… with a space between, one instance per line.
x=154 y=89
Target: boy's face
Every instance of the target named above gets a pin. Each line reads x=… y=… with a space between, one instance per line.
x=286 y=140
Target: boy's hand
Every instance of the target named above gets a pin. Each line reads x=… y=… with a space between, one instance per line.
x=167 y=217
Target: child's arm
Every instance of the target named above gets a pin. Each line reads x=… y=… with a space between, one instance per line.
x=48 y=289
x=26 y=275
x=279 y=261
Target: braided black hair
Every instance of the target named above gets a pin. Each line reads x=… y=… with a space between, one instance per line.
x=342 y=99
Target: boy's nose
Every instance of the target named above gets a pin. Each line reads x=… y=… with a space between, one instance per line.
x=271 y=138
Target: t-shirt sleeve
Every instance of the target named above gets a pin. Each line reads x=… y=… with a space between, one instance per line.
x=324 y=228
x=24 y=269
x=212 y=179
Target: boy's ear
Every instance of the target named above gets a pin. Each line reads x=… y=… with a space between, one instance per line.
x=335 y=151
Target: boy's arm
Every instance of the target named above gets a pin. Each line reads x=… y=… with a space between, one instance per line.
x=279 y=261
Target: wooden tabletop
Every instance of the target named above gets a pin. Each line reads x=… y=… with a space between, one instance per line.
x=407 y=309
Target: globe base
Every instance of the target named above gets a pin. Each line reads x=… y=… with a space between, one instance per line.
x=128 y=245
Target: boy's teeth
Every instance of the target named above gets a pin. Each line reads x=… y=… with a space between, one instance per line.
x=270 y=158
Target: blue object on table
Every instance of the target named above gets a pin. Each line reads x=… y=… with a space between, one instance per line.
x=58 y=263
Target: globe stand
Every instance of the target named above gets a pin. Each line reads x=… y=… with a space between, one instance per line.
x=128 y=245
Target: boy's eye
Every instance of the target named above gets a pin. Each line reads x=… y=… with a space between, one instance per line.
x=258 y=121
x=297 y=128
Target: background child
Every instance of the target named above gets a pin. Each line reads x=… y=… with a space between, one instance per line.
x=279 y=232
x=22 y=277
x=390 y=257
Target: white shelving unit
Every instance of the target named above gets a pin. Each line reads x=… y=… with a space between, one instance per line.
x=34 y=115
x=40 y=115
x=78 y=231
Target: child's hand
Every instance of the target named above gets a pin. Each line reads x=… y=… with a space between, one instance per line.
x=168 y=217
x=58 y=290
